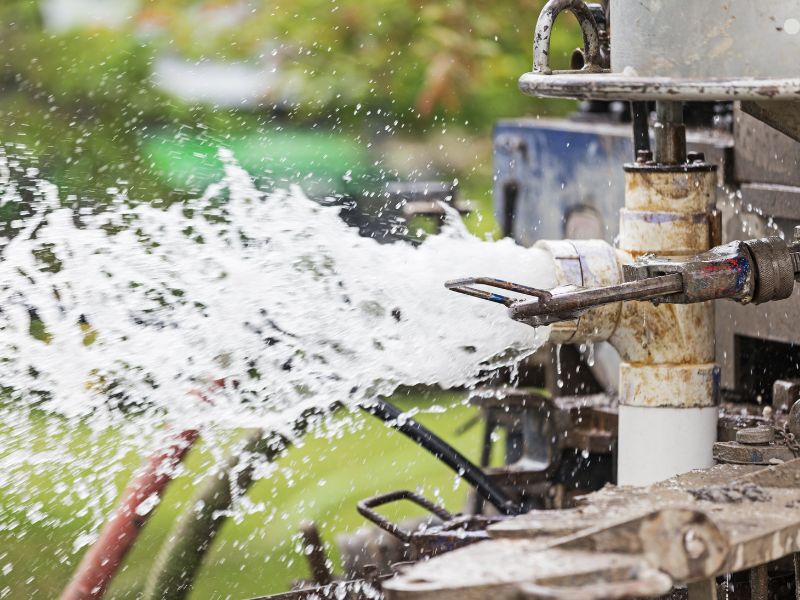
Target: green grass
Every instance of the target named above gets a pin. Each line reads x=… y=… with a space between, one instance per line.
x=258 y=554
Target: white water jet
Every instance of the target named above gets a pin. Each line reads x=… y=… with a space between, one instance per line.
x=270 y=291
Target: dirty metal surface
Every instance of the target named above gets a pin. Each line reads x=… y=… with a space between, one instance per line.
x=583 y=422
x=687 y=529
x=762 y=154
x=744 y=454
x=783 y=116
x=582 y=85
x=340 y=590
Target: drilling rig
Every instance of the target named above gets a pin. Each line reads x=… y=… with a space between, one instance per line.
x=651 y=446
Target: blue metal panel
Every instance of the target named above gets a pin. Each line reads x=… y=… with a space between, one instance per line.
x=545 y=171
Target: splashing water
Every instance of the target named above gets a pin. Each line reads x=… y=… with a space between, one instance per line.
x=114 y=317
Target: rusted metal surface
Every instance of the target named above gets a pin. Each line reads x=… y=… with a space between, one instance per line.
x=666 y=385
x=793 y=422
x=743 y=454
x=634 y=581
x=670 y=133
x=582 y=85
x=726 y=271
x=618 y=529
x=356 y=589
x=667 y=208
x=762 y=434
x=569 y=304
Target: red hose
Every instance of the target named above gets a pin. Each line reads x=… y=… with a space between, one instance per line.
x=103 y=559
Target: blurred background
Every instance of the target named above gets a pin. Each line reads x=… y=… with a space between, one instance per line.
x=136 y=97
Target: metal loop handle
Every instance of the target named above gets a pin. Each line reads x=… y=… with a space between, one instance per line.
x=544 y=27
x=365 y=509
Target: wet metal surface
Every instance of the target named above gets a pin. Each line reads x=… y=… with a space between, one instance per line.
x=612 y=86
x=679 y=527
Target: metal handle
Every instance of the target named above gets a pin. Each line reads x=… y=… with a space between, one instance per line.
x=565 y=305
x=365 y=509
x=463 y=286
x=544 y=27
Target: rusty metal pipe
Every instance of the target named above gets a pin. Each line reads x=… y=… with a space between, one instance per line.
x=670 y=133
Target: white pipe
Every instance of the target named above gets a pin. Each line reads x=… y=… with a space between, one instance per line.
x=658 y=443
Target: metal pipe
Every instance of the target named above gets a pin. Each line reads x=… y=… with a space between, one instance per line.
x=759 y=583
x=641 y=128
x=670 y=133
x=485 y=487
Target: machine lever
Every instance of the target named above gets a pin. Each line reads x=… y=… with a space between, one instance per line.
x=759 y=270
x=564 y=304
x=464 y=286
x=571 y=304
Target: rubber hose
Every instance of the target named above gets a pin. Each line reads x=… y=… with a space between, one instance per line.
x=470 y=472
x=182 y=553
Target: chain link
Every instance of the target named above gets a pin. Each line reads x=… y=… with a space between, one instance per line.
x=788 y=438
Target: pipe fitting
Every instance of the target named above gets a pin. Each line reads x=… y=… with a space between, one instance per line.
x=585 y=264
x=667 y=208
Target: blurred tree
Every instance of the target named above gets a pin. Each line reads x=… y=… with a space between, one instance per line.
x=84 y=100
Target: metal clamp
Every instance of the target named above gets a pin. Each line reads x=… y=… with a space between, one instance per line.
x=544 y=27
x=365 y=510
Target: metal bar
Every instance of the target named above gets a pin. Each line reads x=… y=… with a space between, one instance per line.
x=670 y=133
x=796 y=560
x=364 y=508
x=759 y=583
x=544 y=27
x=463 y=286
x=486 y=455
x=315 y=552
x=572 y=303
x=641 y=127
x=703 y=590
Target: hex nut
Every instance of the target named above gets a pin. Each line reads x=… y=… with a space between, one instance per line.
x=756 y=435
